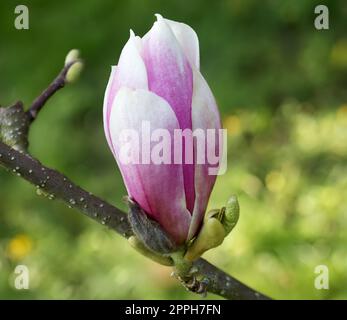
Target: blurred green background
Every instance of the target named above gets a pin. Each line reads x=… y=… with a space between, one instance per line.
x=281 y=88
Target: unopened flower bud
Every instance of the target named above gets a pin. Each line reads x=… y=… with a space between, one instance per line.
x=72 y=56
x=74 y=72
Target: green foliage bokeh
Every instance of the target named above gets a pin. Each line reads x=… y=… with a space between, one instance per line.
x=281 y=88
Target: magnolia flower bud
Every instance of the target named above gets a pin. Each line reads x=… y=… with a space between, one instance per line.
x=157 y=81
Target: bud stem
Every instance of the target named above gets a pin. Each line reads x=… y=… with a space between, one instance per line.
x=182 y=266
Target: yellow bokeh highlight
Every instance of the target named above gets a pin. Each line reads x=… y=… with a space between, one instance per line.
x=19 y=247
x=251 y=185
x=330 y=198
x=339 y=54
x=233 y=125
x=275 y=181
x=341 y=114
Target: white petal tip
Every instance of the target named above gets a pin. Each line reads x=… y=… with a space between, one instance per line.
x=132 y=33
x=159 y=17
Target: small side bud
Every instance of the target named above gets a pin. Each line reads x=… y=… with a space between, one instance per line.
x=231 y=214
x=210 y=236
x=74 y=72
x=216 y=226
x=73 y=55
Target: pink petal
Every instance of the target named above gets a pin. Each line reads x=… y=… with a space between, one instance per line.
x=170 y=77
x=130 y=72
x=188 y=40
x=158 y=188
x=205 y=116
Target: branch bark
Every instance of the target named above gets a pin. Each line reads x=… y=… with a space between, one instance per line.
x=58 y=83
x=54 y=185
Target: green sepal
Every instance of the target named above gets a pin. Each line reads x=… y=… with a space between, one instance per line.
x=148 y=231
x=141 y=248
x=210 y=236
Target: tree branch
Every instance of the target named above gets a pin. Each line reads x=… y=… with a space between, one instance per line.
x=54 y=185
x=72 y=60
x=57 y=83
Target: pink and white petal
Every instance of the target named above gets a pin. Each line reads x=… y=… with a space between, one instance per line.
x=170 y=77
x=158 y=188
x=169 y=72
x=106 y=108
x=188 y=40
x=130 y=72
x=205 y=116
